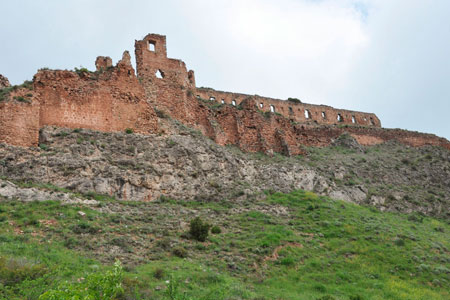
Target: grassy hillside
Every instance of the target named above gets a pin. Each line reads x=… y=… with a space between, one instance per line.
x=270 y=246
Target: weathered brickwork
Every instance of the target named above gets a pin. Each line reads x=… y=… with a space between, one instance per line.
x=324 y=135
x=102 y=63
x=115 y=98
x=19 y=122
x=111 y=100
x=108 y=100
x=166 y=81
x=294 y=109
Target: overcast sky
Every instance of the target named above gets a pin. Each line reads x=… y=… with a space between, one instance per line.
x=390 y=57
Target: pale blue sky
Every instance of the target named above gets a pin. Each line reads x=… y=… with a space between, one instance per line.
x=390 y=57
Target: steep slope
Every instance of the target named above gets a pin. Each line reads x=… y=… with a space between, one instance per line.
x=287 y=246
x=188 y=166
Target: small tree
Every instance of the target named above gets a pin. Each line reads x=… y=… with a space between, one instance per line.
x=199 y=230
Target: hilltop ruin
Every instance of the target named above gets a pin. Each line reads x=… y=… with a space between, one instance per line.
x=116 y=98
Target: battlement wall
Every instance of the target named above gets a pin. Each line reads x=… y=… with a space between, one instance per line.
x=294 y=109
x=106 y=100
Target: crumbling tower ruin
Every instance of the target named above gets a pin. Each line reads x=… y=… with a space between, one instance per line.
x=166 y=81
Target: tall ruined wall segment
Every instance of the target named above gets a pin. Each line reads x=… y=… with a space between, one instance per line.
x=110 y=100
x=19 y=123
x=19 y=114
x=167 y=82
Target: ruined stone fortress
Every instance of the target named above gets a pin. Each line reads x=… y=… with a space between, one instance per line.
x=116 y=98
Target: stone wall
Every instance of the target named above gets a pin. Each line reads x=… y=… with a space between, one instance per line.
x=19 y=122
x=113 y=98
x=166 y=81
x=107 y=100
x=320 y=136
x=294 y=109
x=110 y=99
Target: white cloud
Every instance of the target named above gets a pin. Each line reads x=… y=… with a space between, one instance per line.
x=383 y=56
x=264 y=46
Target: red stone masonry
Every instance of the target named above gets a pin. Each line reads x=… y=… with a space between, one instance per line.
x=109 y=100
x=113 y=99
x=166 y=81
x=19 y=122
x=295 y=110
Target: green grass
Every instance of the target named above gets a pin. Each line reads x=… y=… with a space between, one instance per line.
x=287 y=246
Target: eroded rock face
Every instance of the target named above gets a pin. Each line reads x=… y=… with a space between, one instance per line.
x=144 y=168
x=188 y=166
x=12 y=191
x=4 y=82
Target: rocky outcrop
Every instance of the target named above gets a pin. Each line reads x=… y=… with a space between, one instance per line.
x=4 y=82
x=186 y=166
x=145 y=168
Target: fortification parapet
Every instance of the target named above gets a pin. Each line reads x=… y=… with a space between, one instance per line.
x=294 y=109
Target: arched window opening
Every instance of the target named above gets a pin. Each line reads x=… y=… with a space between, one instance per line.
x=212 y=98
x=324 y=116
x=159 y=74
x=261 y=105
x=307 y=114
x=340 y=118
x=290 y=110
x=223 y=101
x=151 y=46
x=233 y=102
x=198 y=96
x=353 y=120
x=371 y=121
x=272 y=108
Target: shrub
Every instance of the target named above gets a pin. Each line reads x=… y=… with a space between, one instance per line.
x=199 y=230
x=216 y=230
x=21 y=99
x=326 y=297
x=287 y=261
x=295 y=100
x=27 y=84
x=399 y=242
x=14 y=271
x=180 y=252
x=128 y=131
x=83 y=227
x=159 y=273
x=81 y=70
x=320 y=288
x=173 y=290
x=106 y=285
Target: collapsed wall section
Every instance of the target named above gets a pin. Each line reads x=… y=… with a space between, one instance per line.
x=319 y=136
